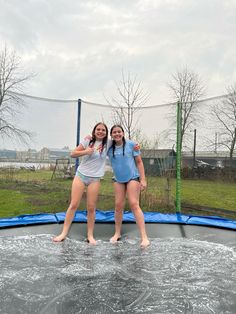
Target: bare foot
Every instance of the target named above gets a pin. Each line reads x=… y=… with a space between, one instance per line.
x=115 y=238
x=91 y=241
x=145 y=243
x=59 y=238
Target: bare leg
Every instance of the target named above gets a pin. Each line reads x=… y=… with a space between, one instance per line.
x=77 y=191
x=120 y=192
x=133 y=190
x=92 y=196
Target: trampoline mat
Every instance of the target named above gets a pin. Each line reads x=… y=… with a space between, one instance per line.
x=187 y=269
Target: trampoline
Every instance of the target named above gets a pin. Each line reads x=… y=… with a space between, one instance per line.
x=187 y=269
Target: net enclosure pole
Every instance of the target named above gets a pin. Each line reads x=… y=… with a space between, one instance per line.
x=78 y=130
x=178 y=157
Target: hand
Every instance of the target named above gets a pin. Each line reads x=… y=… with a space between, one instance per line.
x=89 y=150
x=143 y=185
x=88 y=137
x=137 y=147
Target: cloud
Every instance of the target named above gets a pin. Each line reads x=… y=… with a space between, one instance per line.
x=78 y=48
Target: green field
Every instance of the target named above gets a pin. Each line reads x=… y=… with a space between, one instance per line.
x=27 y=192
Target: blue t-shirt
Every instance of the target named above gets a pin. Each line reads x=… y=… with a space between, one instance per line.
x=124 y=166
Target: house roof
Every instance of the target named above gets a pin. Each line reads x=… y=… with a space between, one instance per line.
x=157 y=153
x=207 y=154
x=58 y=150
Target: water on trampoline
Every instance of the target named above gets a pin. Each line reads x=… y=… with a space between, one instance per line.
x=173 y=275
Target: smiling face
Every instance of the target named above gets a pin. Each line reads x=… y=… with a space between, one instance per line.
x=100 y=131
x=117 y=134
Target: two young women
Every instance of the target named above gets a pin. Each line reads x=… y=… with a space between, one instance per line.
x=129 y=179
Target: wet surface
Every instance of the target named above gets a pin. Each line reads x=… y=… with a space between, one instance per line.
x=173 y=275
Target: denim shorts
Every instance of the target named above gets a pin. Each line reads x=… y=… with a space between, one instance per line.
x=87 y=180
x=133 y=179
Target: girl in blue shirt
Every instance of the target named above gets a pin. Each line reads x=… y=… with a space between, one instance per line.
x=129 y=180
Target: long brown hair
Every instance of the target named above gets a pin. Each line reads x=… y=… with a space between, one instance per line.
x=114 y=143
x=93 y=139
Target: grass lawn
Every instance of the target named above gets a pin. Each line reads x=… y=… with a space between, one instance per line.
x=26 y=192
x=211 y=194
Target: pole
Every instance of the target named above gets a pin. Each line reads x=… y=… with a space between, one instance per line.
x=216 y=141
x=178 y=158
x=194 y=147
x=78 y=131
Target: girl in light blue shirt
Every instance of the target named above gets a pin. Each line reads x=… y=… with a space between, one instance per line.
x=129 y=180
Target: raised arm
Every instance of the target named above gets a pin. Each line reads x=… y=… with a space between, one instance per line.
x=80 y=151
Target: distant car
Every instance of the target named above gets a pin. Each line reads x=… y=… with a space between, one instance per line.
x=219 y=164
x=203 y=164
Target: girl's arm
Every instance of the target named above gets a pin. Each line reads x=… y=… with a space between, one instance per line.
x=81 y=151
x=140 y=166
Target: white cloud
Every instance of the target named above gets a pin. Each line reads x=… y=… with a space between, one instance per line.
x=78 y=48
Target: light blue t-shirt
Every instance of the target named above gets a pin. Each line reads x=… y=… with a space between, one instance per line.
x=124 y=166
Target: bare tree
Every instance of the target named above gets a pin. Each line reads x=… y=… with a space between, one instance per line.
x=225 y=114
x=130 y=98
x=158 y=140
x=12 y=81
x=187 y=88
x=142 y=139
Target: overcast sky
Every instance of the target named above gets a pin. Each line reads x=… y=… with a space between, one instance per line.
x=78 y=48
